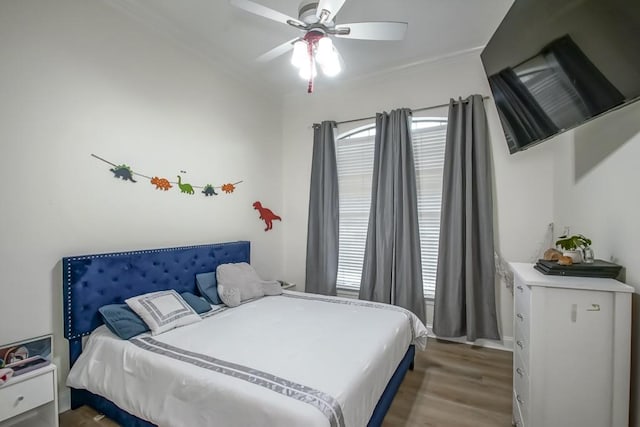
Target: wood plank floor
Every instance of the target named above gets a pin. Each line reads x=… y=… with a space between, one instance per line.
x=452 y=385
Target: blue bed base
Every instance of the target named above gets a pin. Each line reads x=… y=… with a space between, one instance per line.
x=91 y=281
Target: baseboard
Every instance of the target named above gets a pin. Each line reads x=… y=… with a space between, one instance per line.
x=506 y=344
x=64 y=400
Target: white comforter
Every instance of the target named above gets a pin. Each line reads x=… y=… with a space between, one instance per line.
x=289 y=360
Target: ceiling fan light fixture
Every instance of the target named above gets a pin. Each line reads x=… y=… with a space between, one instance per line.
x=324 y=50
x=332 y=67
x=316 y=18
x=308 y=70
x=300 y=54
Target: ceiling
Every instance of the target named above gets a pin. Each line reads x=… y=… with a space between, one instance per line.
x=232 y=39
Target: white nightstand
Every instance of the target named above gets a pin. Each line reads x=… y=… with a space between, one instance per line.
x=30 y=399
x=286 y=285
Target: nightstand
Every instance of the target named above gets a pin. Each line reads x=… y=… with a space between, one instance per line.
x=286 y=285
x=30 y=399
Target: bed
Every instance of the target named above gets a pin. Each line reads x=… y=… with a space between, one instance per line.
x=265 y=362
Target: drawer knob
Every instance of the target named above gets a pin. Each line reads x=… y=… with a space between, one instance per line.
x=520 y=316
x=519 y=372
x=520 y=344
x=520 y=288
x=519 y=399
x=20 y=398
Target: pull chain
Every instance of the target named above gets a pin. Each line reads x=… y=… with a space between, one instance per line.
x=310 y=86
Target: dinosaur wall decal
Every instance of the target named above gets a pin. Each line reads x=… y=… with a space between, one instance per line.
x=185 y=188
x=124 y=172
x=266 y=215
x=161 y=183
x=209 y=190
x=228 y=188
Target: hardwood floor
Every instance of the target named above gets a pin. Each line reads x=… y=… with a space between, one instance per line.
x=455 y=385
x=452 y=385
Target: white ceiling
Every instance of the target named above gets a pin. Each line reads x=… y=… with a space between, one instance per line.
x=232 y=38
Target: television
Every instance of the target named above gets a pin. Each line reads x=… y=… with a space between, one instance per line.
x=555 y=64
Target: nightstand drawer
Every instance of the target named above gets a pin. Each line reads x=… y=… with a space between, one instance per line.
x=22 y=396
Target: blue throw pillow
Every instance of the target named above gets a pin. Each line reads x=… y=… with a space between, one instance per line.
x=198 y=304
x=208 y=287
x=122 y=321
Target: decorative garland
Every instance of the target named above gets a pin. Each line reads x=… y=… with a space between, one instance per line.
x=125 y=173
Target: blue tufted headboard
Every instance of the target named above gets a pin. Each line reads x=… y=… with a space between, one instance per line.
x=91 y=281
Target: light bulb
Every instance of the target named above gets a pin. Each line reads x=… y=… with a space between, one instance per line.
x=300 y=54
x=331 y=67
x=324 y=50
x=308 y=70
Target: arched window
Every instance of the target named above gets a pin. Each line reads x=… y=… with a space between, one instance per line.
x=355 y=172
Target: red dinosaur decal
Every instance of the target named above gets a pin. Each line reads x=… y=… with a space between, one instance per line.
x=161 y=183
x=266 y=215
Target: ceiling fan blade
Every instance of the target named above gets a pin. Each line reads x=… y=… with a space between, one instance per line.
x=266 y=12
x=277 y=51
x=332 y=8
x=373 y=30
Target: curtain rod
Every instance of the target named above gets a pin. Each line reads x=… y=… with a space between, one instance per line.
x=415 y=110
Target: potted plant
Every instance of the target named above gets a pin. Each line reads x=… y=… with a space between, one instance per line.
x=572 y=246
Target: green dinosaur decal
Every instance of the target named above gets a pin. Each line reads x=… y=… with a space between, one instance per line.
x=185 y=188
x=209 y=190
x=124 y=172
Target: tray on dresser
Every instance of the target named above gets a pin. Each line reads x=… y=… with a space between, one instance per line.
x=598 y=268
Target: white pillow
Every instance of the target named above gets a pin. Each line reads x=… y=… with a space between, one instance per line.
x=271 y=287
x=239 y=282
x=163 y=311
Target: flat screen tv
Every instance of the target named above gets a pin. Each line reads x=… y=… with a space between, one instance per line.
x=555 y=64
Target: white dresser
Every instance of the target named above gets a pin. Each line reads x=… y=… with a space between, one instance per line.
x=572 y=350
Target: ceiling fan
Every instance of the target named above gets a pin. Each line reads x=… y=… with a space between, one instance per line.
x=316 y=18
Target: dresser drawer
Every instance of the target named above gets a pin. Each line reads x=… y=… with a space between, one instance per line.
x=23 y=396
x=521 y=387
x=517 y=415
x=522 y=295
x=521 y=347
x=522 y=310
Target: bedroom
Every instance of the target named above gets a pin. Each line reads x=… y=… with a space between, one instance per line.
x=80 y=78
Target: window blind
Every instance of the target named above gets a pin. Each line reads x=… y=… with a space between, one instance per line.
x=355 y=171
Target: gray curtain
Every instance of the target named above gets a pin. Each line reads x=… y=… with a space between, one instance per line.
x=465 y=283
x=392 y=270
x=322 y=232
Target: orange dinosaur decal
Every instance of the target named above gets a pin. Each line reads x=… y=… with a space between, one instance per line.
x=161 y=183
x=228 y=188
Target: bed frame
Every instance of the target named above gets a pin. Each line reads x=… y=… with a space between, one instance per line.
x=91 y=281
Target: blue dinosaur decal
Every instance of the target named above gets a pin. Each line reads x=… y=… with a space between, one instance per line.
x=124 y=172
x=209 y=190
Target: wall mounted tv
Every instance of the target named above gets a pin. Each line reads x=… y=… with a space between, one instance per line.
x=555 y=64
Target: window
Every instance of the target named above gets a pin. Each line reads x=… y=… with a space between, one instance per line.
x=355 y=172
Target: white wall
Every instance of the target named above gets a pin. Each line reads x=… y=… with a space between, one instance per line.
x=77 y=78
x=523 y=200
x=596 y=193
